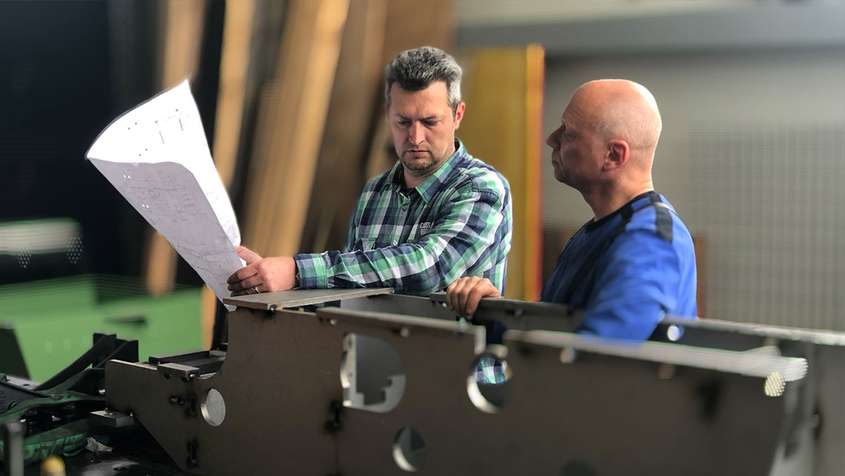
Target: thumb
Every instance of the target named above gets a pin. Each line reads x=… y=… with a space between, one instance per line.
x=247 y=254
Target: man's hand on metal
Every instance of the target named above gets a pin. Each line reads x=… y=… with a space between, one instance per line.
x=464 y=294
x=261 y=275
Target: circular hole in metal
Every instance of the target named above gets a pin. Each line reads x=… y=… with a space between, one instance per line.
x=488 y=384
x=371 y=374
x=409 y=449
x=213 y=408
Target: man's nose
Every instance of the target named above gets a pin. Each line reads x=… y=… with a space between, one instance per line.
x=551 y=141
x=417 y=134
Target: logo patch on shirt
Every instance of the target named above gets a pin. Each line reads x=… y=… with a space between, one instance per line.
x=425 y=227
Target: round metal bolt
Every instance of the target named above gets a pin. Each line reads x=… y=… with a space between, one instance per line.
x=674 y=333
x=213 y=408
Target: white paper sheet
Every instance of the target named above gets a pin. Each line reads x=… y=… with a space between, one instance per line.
x=157 y=157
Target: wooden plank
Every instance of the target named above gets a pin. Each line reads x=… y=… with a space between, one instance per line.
x=410 y=26
x=231 y=95
x=346 y=139
x=208 y=308
x=290 y=125
x=231 y=98
x=503 y=127
x=182 y=22
x=532 y=244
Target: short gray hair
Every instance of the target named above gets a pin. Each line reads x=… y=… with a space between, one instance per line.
x=416 y=69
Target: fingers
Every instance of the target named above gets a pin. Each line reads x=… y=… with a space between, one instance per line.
x=243 y=273
x=453 y=296
x=247 y=254
x=265 y=275
x=453 y=292
x=464 y=294
x=482 y=289
x=254 y=281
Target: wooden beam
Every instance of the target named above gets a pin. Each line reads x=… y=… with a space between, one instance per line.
x=208 y=309
x=182 y=22
x=347 y=135
x=290 y=125
x=231 y=98
x=231 y=95
x=503 y=127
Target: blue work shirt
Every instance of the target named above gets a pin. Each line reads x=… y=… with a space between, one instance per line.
x=627 y=270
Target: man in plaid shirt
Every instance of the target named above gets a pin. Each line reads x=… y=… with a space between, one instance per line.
x=438 y=214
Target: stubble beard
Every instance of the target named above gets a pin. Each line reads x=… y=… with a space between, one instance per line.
x=419 y=166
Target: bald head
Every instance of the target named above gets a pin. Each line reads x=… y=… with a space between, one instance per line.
x=620 y=109
x=604 y=147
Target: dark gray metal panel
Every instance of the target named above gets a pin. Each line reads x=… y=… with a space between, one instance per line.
x=830 y=417
x=821 y=395
x=771 y=25
x=277 y=381
x=512 y=313
x=613 y=414
x=718 y=329
x=614 y=408
x=300 y=297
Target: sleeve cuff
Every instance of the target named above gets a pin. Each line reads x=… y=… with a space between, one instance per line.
x=313 y=270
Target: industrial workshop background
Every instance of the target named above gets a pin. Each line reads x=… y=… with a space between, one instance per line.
x=752 y=95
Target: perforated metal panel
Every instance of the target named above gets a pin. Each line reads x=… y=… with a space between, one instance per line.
x=770 y=201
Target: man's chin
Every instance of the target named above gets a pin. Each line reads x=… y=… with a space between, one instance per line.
x=562 y=178
x=417 y=165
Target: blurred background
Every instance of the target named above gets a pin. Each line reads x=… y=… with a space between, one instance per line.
x=290 y=91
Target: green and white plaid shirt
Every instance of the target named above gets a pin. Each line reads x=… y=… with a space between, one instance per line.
x=456 y=223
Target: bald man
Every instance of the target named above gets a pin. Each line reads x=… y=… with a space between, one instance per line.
x=633 y=262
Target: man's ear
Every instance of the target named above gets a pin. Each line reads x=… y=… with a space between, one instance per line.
x=459 y=113
x=618 y=153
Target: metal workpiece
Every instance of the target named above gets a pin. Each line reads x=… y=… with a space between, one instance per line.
x=300 y=297
x=277 y=400
x=277 y=382
x=511 y=313
x=748 y=363
x=112 y=419
x=714 y=332
x=357 y=392
x=605 y=412
x=817 y=425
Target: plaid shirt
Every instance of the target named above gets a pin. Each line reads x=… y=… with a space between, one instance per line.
x=456 y=223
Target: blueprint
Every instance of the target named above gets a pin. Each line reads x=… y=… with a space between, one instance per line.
x=157 y=157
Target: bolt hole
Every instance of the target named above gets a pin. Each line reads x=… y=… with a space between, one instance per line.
x=409 y=449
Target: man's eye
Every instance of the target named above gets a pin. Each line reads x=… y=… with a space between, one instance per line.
x=404 y=122
x=430 y=123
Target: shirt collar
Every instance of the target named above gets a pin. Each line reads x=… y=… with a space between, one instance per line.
x=432 y=185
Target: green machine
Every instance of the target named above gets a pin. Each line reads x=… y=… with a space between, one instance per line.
x=51 y=371
x=53 y=320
